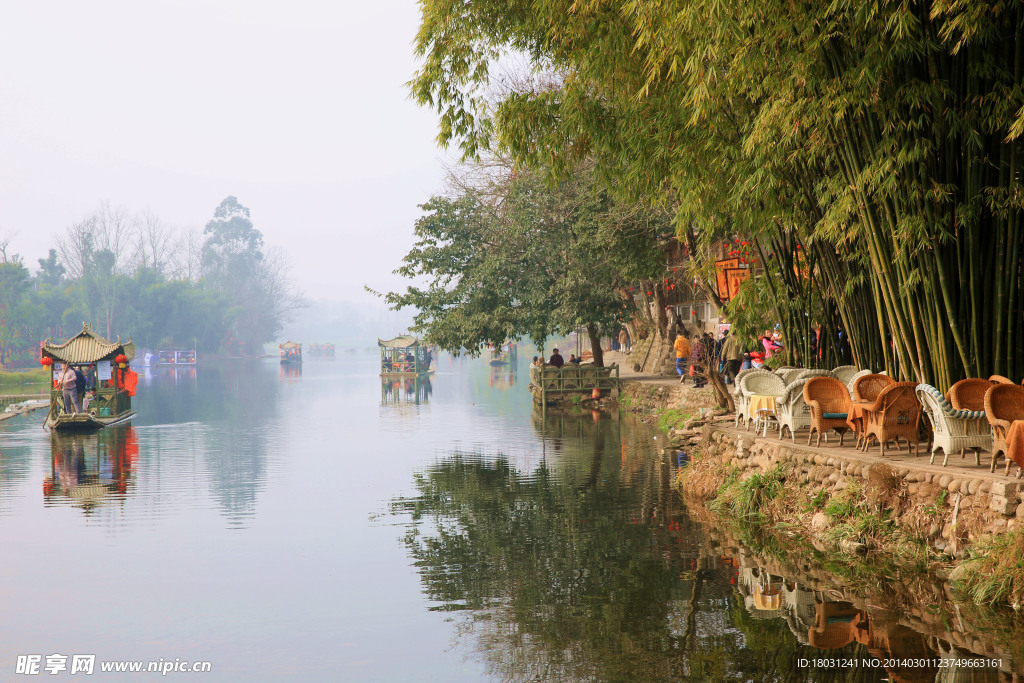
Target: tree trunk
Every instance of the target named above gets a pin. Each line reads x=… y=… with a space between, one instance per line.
x=595 y=345
x=721 y=391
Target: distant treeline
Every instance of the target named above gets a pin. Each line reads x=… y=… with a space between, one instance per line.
x=132 y=275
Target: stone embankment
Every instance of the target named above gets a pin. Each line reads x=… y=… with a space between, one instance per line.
x=952 y=506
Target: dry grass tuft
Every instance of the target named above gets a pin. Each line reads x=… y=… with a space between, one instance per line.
x=995 y=572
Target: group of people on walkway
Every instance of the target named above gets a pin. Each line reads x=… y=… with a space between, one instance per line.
x=694 y=355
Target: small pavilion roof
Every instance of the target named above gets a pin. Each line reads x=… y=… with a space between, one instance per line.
x=406 y=341
x=87 y=347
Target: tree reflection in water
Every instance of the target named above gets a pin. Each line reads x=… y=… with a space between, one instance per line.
x=586 y=567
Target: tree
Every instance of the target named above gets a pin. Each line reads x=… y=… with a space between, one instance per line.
x=872 y=151
x=517 y=257
x=14 y=282
x=257 y=284
x=51 y=271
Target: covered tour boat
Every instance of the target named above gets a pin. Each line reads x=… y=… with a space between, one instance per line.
x=291 y=352
x=105 y=384
x=404 y=357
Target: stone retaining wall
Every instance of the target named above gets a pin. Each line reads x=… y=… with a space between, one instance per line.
x=975 y=504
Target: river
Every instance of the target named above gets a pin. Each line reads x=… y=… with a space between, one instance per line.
x=317 y=525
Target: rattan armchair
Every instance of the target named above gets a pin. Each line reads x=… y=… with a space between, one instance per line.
x=854 y=378
x=742 y=401
x=807 y=374
x=844 y=373
x=760 y=383
x=894 y=415
x=952 y=429
x=1004 y=403
x=829 y=403
x=969 y=394
x=868 y=387
x=788 y=375
x=792 y=410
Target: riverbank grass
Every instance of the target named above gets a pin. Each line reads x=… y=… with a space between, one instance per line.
x=16 y=378
x=994 y=571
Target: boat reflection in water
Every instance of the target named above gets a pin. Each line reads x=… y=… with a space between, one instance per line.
x=290 y=371
x=405 y=389
x=503 y=376
x=88 y=470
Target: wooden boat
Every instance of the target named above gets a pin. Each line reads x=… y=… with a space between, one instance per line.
x=110 y=383
x=291 y=352
x=174 y=358
x=404 y=357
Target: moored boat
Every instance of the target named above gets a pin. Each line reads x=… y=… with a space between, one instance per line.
x=103 y=384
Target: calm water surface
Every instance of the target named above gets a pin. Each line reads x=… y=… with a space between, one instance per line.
x=321 y=526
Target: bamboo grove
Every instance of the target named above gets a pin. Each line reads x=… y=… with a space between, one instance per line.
x=869 y=150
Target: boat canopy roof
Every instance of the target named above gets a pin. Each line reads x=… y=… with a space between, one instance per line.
x=87 y=347
x=289 y=345
x=406 y=341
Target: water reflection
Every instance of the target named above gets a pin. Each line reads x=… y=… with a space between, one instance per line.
x=88 y=470
x=408 y=389
x=503 y=377
x=586 y=566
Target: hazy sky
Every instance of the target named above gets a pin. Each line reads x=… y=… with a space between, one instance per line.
x=299 y=109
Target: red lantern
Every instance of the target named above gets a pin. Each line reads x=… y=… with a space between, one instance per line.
x=648 y=294
x=120 y=358
x=631 y=289
x=46 y=360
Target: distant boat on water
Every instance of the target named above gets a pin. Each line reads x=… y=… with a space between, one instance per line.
x=291 y=352
x=404 y=356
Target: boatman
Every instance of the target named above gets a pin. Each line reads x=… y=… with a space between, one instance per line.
x=556 y=359
x=68 y=382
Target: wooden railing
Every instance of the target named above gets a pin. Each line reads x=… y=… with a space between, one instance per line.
x=574 y=379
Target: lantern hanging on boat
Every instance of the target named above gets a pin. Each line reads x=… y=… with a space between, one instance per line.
x=46 y=360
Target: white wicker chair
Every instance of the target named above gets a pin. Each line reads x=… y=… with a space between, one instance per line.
x=743 y=402
x=792 y=411
x=844 y=372
x=853 y=378
x=760 y=383
x=954 y=430
x=807 y=374
x=788 y=375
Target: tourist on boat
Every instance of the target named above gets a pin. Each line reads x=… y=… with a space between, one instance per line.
x=556 y=359
x=573 y=360
x=68 y=382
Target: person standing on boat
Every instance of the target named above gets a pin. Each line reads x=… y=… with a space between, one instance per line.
x=68 y=382
x=556 y=359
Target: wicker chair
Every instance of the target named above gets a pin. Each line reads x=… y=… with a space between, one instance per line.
x=1004 y=403
x=868 y=387
x=829 y=403
x=844 y=373
x=760 y=383
x=788 y=375
x=807 y=374
x=953 y=429
x=969 y=394
x=999 y=379
x=856 y=376
x=894 y=415
x=792 y=410
x=743 y=401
